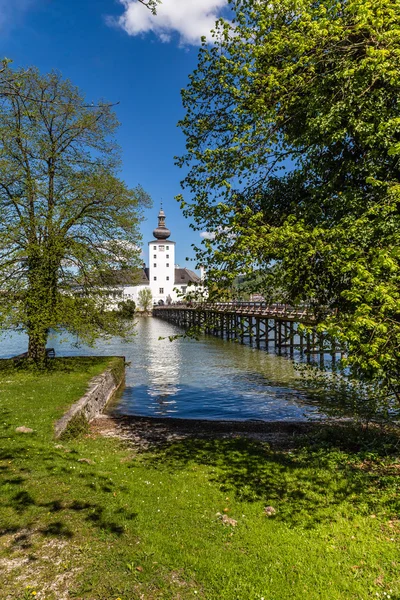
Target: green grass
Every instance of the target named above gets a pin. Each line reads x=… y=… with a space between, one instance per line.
x=145 y=526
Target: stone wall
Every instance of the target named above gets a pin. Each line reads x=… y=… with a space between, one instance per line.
x=101 y=390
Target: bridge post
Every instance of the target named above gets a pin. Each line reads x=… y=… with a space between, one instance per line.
x=278 y=324
x=321 y=350
x=279 y=331
x=308 y=346
x=301 y=336
x=291 y=338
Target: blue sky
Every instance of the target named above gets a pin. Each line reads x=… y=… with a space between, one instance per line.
x=115 y=50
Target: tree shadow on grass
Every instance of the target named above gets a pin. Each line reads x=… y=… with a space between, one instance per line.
x=57 y=529
x=306 y=486
x=26 y=507
x=94 y=514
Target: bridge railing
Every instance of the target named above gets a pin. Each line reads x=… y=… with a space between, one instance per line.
x=248 y=308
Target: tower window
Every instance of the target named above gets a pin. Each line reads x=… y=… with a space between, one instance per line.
x=161 y=290
x=154 y=264
x=154 y=255
x=167 y=247
x=155 y=278
x=167 y=256
x=167 y=265
x=154 y=247
x=167 y=278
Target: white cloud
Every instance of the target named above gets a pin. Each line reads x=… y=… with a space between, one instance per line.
x=189 y=18
x=207 y=235
x=220 y=232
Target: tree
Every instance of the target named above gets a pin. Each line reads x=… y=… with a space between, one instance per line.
x=66 y=220
x=151 y=5
x=293 y=143
x=127 y=308
x=145 y=298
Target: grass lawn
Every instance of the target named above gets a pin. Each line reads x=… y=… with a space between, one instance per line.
x=88 y=518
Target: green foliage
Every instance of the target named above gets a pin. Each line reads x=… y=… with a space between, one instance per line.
x=151 y=5
x=292 y=126
x=145 y=299
x=66 y=220
x=342 y=395
x=127 y=309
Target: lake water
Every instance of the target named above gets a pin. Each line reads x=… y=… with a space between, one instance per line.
x=206 y=379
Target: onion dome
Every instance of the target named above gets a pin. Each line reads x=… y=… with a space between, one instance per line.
x=161 y=232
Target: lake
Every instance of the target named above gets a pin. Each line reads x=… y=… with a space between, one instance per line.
x=205 y=379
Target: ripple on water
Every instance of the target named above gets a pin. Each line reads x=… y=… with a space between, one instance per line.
x=205 y=379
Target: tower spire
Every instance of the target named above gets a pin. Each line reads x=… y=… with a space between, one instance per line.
x=161 y=232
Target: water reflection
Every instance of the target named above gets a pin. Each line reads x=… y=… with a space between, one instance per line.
x=208 y=379
x=161 y=362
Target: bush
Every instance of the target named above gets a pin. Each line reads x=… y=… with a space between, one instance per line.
x=127 y=309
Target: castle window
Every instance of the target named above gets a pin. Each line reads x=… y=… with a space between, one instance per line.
x=154 y=247
x=167 y=278
x=161 y=290
x=154 y=264
x=167 y=265
x=183 y=288
x=167 y=247
x=167 y=256
x=154 y=255
x=155 y=278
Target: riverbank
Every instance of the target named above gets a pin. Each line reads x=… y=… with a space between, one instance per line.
x=100 y=518
x=149 y=432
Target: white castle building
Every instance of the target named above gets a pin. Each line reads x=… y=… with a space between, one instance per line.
x=166 y=281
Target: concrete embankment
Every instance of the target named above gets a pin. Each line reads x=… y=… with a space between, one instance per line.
x=101 y=390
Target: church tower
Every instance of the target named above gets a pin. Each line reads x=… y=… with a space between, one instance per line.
x=161 y=262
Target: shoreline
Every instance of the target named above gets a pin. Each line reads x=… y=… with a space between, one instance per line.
x=143 y=433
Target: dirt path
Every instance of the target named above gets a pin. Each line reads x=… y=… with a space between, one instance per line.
x=145 y=432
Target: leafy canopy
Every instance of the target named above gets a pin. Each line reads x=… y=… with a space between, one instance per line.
x=292 y=132
x=145 y=299
x=66 y=219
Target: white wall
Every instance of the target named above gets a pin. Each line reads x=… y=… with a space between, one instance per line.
x=121 y=293
x=162 y=269
x=132 y=292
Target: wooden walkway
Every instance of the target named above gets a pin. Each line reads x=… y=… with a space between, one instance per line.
x=284 y=311
x=278 y=327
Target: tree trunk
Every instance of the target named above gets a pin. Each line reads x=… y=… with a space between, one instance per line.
x=37 y=347
x=41 y=301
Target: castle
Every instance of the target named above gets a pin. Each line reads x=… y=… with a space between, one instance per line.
x=165 y=280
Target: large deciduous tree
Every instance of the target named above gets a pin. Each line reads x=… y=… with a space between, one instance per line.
x=66 y=219
x=293 y=143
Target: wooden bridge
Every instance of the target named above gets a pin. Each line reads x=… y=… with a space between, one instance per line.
x=277 y=327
